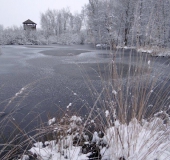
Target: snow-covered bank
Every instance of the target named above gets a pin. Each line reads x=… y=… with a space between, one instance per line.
x=147 y=140
x=166 y=53
x=155 y=51
x=126 y=47
x=144 y=50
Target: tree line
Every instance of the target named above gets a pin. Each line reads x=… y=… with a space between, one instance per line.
x=129 y=22
x=112 y=22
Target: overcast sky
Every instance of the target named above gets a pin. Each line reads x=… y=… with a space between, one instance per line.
x=14 y=12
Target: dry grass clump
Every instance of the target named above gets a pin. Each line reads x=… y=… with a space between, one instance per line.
x=130 y=102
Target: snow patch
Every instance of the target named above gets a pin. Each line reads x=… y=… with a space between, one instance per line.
x=70 y=104
x=107 y=113
x=63 y=150
x=51 y=121
x=125 y=47
x=17 y=94
x=145 y=50
x=137 y=141
x=155 y=51
x=164 y=53
x=114 y=92
x=25 y=157
x=133 y=141
x=76 y=119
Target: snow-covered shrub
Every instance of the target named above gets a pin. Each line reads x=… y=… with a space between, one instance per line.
x=146 y=140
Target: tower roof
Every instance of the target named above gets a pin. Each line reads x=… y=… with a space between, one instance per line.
x=28 y=22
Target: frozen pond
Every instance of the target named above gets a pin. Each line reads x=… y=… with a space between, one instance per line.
x=40 y=81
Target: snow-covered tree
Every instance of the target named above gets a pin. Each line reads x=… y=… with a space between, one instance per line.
x=152 y=22
x=129 y=22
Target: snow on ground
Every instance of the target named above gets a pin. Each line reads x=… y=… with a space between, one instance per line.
x=155 y=51
x=118 y=47
x=125 y=47
x=135 y=141
x=58 y=151
x=51 y=121
x=75 y=119
x=145 y=50
x=165 y=53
